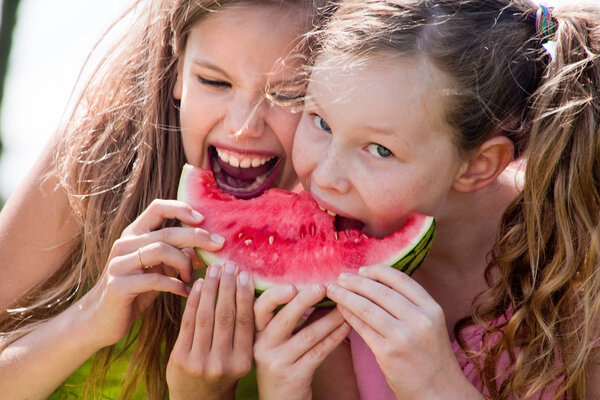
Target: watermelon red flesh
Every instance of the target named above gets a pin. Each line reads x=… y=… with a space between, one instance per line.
x=283 y=237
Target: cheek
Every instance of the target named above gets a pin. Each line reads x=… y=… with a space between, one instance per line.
x=304 y=150
x=284 y=125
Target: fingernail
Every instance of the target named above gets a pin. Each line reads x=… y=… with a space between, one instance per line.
x=319 y=289
x=197 y=216
x=198 y=284
x=229 y=267
x=216 y=238
x=343 y=276
x=289 y=290
x=213 y=271
x=243 y=278
x=332 y=287
x=362 y=270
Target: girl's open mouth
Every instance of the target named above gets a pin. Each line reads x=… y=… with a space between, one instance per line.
x=345 y=223
x=243 y=176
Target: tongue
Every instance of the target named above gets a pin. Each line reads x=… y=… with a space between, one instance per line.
x=344 y=223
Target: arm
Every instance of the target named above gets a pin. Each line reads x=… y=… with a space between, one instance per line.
x=35 y=231
x=36 y=228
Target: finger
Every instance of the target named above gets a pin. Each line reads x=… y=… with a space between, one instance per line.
x=243 y=336
x=371 y=336
x=179 y=237
x=205 y=316
x=158 y=211
x=367 y=311
x=155 y=254
x=269 y=301
x=225 y=311
x=287 y=318
x=379 y=293
x=185 y=337
x=197 y=262
x=310 y=335
x=138 y=284
x=399 y=282
x=315 y=356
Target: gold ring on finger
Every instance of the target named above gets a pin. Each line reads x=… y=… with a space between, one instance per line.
x=139 y=257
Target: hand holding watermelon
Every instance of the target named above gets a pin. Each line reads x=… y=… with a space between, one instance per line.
x=145 y=260
x=405 y=329
x=286 y=357
x=214 y=346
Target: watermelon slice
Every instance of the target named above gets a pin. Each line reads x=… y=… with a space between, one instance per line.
x=284 y=237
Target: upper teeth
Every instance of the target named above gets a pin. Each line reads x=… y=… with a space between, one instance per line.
x=328 y=211
x=241 y=161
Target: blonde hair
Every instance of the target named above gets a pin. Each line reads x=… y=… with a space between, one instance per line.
x=120 y=150
x=544 y=271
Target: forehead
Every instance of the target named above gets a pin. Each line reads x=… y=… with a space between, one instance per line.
x=394 y=91
x=253 y=35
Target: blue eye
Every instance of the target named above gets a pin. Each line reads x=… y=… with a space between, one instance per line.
x=321 y=124
x=379 y=151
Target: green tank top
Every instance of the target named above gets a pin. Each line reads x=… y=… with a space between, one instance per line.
x=72 y=388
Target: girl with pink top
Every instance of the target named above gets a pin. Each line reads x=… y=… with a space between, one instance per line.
x=486 y=115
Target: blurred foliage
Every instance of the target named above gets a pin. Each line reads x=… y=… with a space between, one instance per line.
x=7 y=27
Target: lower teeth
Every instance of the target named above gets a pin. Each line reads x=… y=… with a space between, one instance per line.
x=255 y=185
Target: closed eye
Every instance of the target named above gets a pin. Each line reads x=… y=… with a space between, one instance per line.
x=214 y=83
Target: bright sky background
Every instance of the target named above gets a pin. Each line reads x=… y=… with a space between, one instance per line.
x=51 y=42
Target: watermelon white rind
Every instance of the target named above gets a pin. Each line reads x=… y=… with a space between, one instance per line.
x=283 y=237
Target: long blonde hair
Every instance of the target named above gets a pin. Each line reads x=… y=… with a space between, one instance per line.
x=120 y=150
x=544 y=273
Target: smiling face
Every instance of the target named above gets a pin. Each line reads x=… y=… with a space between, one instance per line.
x=227 y=124
x=372 y=145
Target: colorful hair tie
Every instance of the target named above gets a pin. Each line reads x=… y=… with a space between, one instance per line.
x=545 y=26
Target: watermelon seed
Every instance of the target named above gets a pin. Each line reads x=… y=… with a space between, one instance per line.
x=313 y=229
x=240 y=235
x=356 y=240
x=247 y=241
x=336 y=235
x=271 y=239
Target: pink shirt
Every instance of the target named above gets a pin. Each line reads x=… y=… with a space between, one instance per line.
x=372 y=384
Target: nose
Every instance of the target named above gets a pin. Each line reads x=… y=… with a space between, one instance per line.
x=331 y=172
x=245 y=117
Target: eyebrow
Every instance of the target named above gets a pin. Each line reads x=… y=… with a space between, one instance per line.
x=380 y=130
x=209 y=65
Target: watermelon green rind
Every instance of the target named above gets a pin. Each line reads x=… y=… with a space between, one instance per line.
x=283 y=237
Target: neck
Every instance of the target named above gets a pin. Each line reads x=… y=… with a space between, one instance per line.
x=452 y=273
x=468 y=228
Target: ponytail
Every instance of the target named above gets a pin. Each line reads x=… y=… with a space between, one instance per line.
x=548 y=254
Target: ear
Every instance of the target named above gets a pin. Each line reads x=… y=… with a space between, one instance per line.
x=485 y=165
x=178 y=87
